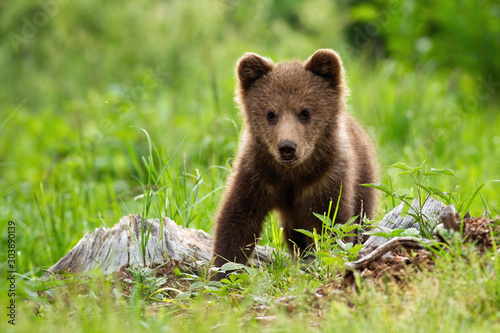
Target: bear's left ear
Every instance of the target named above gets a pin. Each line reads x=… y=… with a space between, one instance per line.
x=327 y=64
x=251 y=67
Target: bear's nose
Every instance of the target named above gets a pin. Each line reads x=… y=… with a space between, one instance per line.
x=287 y=150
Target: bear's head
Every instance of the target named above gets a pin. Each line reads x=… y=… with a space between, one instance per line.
x=290 y=106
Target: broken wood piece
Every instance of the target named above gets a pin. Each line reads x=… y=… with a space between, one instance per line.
x=393 y=220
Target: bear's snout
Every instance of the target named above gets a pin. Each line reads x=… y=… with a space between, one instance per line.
x=287 y=151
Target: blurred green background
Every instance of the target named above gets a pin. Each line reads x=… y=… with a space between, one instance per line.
x=80 y=79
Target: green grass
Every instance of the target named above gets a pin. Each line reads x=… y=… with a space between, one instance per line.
x=114 y=108
x=464 y=296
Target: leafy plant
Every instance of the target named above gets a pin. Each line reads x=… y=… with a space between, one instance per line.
x=420 y=176
x=330 y=247
x=145 y=284
x=237 y=282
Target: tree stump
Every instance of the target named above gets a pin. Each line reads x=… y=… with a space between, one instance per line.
x=110 y=249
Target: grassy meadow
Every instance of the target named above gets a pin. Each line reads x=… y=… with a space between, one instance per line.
x=126 y=107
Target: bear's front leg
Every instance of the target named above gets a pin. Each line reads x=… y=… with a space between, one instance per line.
x=239 y=222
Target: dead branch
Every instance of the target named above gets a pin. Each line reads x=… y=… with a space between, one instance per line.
x=379 y=252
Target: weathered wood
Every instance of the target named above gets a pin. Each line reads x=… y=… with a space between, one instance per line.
x=434 y=212
x=110 y=249
x=431 y=210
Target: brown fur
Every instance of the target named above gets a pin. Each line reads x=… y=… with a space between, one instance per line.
x=331 y=149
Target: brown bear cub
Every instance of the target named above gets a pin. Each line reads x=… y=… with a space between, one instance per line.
x=298 y=146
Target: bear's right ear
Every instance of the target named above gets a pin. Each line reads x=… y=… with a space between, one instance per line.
x=252 y=66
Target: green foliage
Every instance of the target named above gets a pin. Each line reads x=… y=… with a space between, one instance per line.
x=113 y=108
x=237 y=282
x=330 y=248
x=442 y=35
x=439 y=298
x=420 y=176
x=145 y=283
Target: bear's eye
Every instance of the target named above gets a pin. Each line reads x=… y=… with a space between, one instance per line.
x=305 y=114
x=271 y=116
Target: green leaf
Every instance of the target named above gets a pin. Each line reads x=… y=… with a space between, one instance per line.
x=337 y=226
x=177 y=272
x=447 y=172
x=440 y=172
x=243 y=277
x=416 y=169
x=336 y=251
x=424 y=187
x=349 y=228
x=325 y=219
x=403 y=197
x=380 y=187
x=439 y=193
x=196 y=285
x=330 y=261
x=400 y=165
x=356 y=248
x=337 y=231
x=353 y=253
x=411 y=232
x=231 y=266
x=352 y=219
x=305 y=232
x=396 y=233
x=217 y=284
